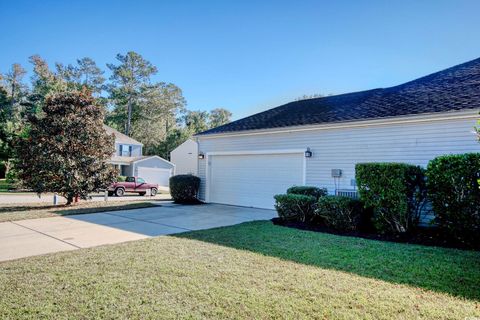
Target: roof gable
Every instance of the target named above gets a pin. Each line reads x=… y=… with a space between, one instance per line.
x=456 y=88
x=120 y=137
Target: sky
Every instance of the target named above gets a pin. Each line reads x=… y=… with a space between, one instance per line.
x=250 y=56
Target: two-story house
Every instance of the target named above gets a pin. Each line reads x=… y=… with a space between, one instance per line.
x=130 y=161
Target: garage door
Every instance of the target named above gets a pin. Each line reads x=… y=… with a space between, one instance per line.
x=155 y=175
x=253 y=179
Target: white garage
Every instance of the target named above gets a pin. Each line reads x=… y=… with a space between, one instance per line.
x=251 y=179
x=155 y=175
x=410 y=123
x=153 y=169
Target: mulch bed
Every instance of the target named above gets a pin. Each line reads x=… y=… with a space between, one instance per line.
x=424 y=236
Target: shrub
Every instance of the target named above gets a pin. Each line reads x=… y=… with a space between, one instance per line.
x=308 y=191
x=295 y=207
x=184 y=188
x=395 y=191
x=121 y=178
x=340 y=213
x=453 y=188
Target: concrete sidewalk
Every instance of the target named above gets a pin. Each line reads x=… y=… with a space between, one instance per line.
x=25 y=238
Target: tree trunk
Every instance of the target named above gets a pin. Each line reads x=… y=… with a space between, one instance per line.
x=129 y=118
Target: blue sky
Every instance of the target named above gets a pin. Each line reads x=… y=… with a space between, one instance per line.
x=249 y=56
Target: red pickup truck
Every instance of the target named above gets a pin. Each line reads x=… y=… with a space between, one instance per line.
x=132 y=184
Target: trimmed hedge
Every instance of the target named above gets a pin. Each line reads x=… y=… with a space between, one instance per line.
x=184 y=188
x=395 y=191
x=308 y=191
x=453 y=188
x=295 y=207
x=340 y=213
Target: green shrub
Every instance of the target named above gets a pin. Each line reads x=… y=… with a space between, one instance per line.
x=453 y=188
x=308 y=191
x=395 y=191
x=121 y=178
x=295 y=207
x=184 y=188
x=340 y=213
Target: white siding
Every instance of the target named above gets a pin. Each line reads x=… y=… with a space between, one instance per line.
x=342 y=148
x=185 y=158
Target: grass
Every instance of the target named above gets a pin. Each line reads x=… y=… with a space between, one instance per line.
x=33 y=211
x=252 y=270
x=4 y=185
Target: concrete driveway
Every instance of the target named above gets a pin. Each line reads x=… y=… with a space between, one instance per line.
x=25 y=238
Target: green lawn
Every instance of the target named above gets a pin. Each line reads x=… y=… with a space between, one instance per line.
x=4 y=185
x=34 y=211
x=253 y=270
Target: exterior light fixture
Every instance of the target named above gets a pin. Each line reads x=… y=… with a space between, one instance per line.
x=201 y=156
x=308 y=153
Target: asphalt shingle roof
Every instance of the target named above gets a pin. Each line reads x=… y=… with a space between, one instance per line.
x=455 y=88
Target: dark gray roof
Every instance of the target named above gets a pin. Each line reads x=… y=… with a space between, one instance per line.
x=456 y=88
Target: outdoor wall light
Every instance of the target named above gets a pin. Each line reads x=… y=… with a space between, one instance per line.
x=308 y=153
x=201 y=156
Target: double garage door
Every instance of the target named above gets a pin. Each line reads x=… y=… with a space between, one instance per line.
x=253 y=179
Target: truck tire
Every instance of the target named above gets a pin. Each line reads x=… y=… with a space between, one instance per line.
x=154 y=192
x=119 y=192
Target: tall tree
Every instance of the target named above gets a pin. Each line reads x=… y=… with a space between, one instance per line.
x=156 y=114
x=67 y=147
x=44 y=82
x=175 y=137
x=4 y=135
x=219 y=117
x=85 y=73
x=15 y=87
x=196 y=121
x=128 y=81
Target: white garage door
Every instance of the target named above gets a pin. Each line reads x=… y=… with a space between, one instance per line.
x=155 y=175
x=253 y=179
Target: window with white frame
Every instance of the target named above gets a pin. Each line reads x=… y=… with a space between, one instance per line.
x=125 y=150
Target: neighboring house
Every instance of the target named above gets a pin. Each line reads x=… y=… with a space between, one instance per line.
x=129 y=160
x=185 y=158
x=247 y=161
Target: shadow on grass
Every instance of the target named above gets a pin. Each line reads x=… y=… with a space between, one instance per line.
x=128 y=206
x=451 y=271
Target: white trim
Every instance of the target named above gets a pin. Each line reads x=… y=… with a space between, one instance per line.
x=150 y=157
x=248 y=152
x=470 y=114
x=267 y=151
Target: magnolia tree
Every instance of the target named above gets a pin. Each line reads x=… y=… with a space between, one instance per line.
x=67 y=148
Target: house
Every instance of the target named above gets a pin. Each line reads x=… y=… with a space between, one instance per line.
x=130 y=162
x=318 y=141
x=184 y=157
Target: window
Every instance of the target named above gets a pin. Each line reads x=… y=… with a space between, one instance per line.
x=125 y=150
x=130 y=179
x=140 y=180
